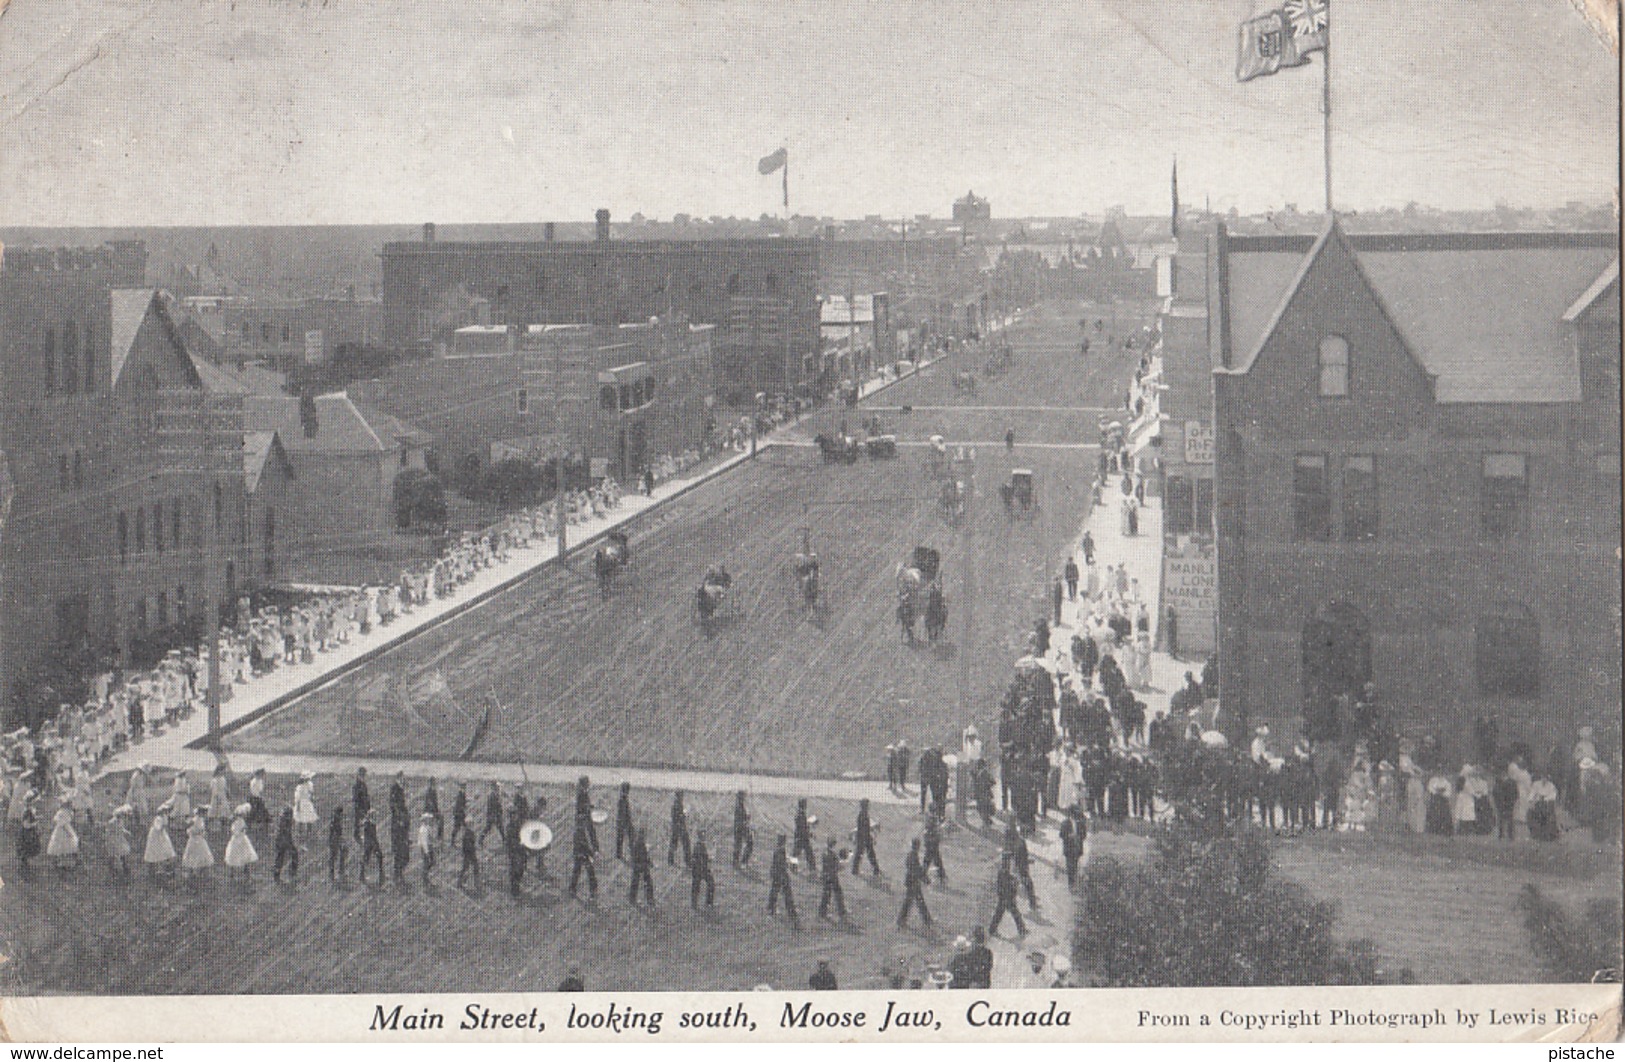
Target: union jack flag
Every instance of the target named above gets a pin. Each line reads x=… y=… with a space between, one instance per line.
x=1309 y=22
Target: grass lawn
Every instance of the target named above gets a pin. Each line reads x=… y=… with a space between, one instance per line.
x=77 y=931
x=1443 y=907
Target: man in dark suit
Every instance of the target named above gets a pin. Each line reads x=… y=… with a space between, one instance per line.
x=1006 y=887
x=864 y=840
x=360 y=800
x=779 y=874
x=584 y=848
x=641 y=870
x=1073 y=831
x=1015 y=846
x=623 y=818
x=802 y=848
x=914 y=887
x=371 y=850
x=830 y=880
x=493 y=813
x=679 y=832
x=699 y=873
x=744 y=837
x=459 y=810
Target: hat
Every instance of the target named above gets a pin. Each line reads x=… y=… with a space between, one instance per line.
x=124 y=809
x=1586 y=731
x=242 y=809
x=1262 y=730
x=961 y=944
x=306 y=776
x=1587 y=764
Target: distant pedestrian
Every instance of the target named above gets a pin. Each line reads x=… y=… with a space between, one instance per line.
x=803 y=848
x=914 y=887
x=1088 y=549
x=371 y=851
x=1057 y=595
x=823 y=978
x=285 y=851
x=830 y=880
x=471 y=860
x=426 y=846
x=864 y=840
x=933 y=848
x=699 y=873
x=1010 y=439
x=743 y=836
x=678 y=833
x=1071 y=574
x=584 y=851
x=493 y=813
x=338 y=845
x=1006 y=889
x=431 y=808
x=779 y=876
x=640 y=870
x=459 y=811
x=623 y=819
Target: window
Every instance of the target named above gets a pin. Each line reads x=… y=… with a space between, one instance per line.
x=270 y=542
x=70 y=358
x=248 y=331
x=626 y=396
x=62 y=471
x=141 y=615
x=284 y=333
x=1359 y=499
x=158 y=526
x=1311 y=502
x=231 y=577
x=1506 y=650
x=1504 y=494
x=163 y=609
x=180 y=604
x=733 y=283
x=219 y=508
x=140 y=530
x=175 y=523
x=78 y=469
x=1204 y=507
x=523 y=401
x=1179 y=510
x=770 y=284
x=1334 y=367
x=50 y=361
x=123 y=538
x=606 y=397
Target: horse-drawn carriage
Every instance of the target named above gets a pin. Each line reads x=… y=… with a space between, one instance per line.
x=610 y=558
x=919 y=593
x=842 y=448
x=951 y=499
x=881 y=446
x=714 y=597
x=1021 y=493
x=804 y=570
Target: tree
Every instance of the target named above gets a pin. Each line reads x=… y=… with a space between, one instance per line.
x=1205 y=910
x=420 y=500
x=511 y=481
x=1573 y=950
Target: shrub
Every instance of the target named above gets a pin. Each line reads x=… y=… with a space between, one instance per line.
x=1573 y=950
x=419 y=498
x=1206 y=911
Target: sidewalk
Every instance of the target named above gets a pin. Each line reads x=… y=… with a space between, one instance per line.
x=287 y=681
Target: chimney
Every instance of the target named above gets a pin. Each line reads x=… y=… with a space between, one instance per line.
x=547 y=231
x=309 y=420
x=129 y=263
x=602 y=217
x=428 y=232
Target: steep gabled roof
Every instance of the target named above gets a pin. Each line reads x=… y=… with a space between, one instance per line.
x=341 y=426
x=260 y=450
x=1483 y=314
x=129 y=306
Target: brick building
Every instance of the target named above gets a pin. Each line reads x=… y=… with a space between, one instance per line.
x=105 y=546
x=1418 y=482
x=761 y=294
x=629 y=394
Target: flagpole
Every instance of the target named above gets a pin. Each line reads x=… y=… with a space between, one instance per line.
x=787 y=184
x=1326 y=105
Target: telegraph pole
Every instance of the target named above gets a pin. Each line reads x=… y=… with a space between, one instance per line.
x=967 y=637
x=560 y=513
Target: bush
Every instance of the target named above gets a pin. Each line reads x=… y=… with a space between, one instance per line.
x=420 y=500
x=1206 y=911
x=512 y=481
x=1573 y=950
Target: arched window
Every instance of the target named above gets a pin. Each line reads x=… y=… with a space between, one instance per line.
x=50 y=361
x=771 y=284
x=1334 y=367
x=733 y=283
x=175 y=523
x=270 y=543
x=70 y=358
x=158 y=526
x=140 y=530
x=123 y=538
x=606 y=397
x=1506 y=652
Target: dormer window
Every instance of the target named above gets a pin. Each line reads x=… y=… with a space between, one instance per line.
x=1334 y=367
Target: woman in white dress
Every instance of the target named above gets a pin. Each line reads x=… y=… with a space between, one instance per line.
x=19 y=799
x=180 y=798
x=63 y=848
x=160 y=850
x=198 y=856
x=1520 y=811
x=116 y=841
x=219 y=796
x=240 y=853
x=1416 y=799
x=304 y=808
x=1142 y=659
x=137 y=796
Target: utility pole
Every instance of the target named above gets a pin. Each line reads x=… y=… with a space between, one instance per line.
x=560 y=513
x=967 y=637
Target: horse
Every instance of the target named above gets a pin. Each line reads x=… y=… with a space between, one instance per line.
x=610 y=558
x=952 y=498
x=905 y=616
x=713 y=591
x=936 y=614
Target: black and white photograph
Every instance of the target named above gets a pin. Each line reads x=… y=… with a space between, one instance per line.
x=957 y=505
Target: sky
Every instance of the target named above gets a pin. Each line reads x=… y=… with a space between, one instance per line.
x=196 y=112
